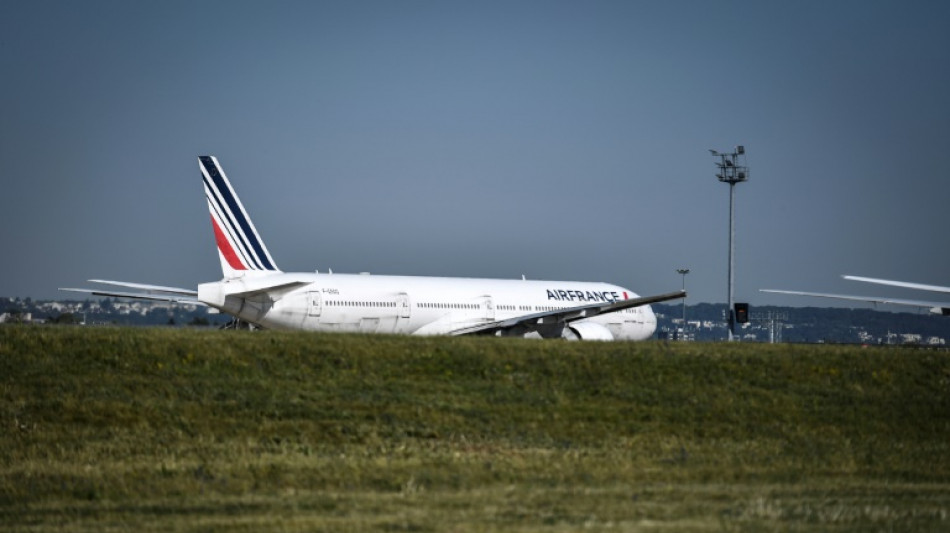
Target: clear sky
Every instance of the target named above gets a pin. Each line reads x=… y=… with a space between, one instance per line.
x=560 y=140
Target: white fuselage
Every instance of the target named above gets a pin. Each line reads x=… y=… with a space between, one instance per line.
x=416 y=305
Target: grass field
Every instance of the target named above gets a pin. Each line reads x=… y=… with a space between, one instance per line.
x=113 y=429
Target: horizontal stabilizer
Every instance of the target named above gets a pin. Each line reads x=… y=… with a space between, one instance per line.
x=140 y=296
x=263 y=289
x=144 y=287
x=249 y=286
x=156 y=293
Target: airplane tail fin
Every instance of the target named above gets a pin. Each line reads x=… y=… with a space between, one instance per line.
x=240 y=247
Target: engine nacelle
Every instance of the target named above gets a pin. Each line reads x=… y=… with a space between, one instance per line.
x=589 y=331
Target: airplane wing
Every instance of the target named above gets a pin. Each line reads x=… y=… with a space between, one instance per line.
x=903 y=284
x=547 y=319
x=151 y=292
x=940 y=308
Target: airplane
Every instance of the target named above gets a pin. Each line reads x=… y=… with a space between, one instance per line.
x=939 y=308
x=254 y=290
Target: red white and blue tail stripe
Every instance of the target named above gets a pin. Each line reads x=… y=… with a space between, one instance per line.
x=239 y=245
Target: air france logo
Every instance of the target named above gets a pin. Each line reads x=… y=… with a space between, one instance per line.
x=561 y=295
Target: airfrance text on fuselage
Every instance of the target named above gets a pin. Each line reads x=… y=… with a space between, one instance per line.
x=583 y=296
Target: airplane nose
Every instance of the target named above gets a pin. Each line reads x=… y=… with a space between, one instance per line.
x=649 y=322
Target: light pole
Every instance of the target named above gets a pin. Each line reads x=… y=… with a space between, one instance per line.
x=731 y=172
x=683 y=272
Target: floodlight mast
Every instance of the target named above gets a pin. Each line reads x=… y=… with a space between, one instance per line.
x=683 y=272
x=731 y=172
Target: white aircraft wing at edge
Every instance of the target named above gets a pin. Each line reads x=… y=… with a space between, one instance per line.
x=939 y=308
x=904 y=284
x=869 y=299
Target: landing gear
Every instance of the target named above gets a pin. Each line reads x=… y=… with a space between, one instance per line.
x=238 y=324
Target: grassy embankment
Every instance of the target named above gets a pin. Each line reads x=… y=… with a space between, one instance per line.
x=158 y=429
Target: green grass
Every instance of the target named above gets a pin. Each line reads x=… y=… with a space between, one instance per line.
x=162 y=429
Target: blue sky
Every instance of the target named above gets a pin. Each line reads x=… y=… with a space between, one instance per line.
x=560 y=140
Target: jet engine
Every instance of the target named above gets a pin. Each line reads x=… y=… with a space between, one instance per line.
x=588 y=331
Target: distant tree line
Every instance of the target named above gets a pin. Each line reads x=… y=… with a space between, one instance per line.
x=815 y=324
